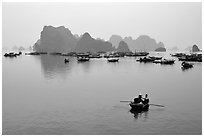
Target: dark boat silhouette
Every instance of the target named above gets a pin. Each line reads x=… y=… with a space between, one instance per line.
x=155 y=58
x=82 y=59
x=192 y=57
x=36 y=53
x=113 y=60
x=186 y=65
x=167 y=61
x=66 y=60
x=145 y=59
x=139 y=106
x=11 y=54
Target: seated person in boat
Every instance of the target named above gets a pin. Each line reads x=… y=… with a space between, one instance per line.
x=145 y=100
x=138 y=100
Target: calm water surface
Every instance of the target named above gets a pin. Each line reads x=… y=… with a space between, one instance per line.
x=42 y=95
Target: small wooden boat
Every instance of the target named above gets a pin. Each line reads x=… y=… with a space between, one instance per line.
x=82 y=59
x=55 y=53
x=35 y=53
x=11 y=54
x=113 y=60
x=139 y=106
x=192 y=58
x=95 y=56
x=178 y=54
x=168 y=62
x=155 y=58
x=157 y=61
x=145 y=60
x=141 y=54
x=66 y=60
x=65 y=54
x=186 y=65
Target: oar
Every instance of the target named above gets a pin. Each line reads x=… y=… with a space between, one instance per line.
x=149 y=104
x=156 y=105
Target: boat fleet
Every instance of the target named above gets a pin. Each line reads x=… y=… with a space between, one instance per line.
x=12 y=54
x=188 y=57
x=114 y=57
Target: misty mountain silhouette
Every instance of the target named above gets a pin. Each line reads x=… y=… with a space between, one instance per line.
x=18 y=48
x=123 y=47
x=88 y=44
x=160 y=49
x=115 y=40
x=60 y=39
x=142 y=43
x=21 y=48
x=195 y=48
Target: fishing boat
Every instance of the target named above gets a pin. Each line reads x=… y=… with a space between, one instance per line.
x=66 y=60
x=145 y=59
x=113 y=60
x=186 y=65
x=155 y=58
x=157 y=61
x=191 y=57
x=139 y=106
x=10 y=54
x=82 y=59
x=168 y=61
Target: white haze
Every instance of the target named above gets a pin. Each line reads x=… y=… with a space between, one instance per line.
x=175 y=24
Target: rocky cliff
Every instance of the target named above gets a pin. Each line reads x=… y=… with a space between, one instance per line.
x=142 y=43
x=56 y=39
x=195 y=48
x=160 y=49
x=88 y=44
x=123 y=47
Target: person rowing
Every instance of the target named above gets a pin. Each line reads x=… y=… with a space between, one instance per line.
x=139 y=99
x=145 y=100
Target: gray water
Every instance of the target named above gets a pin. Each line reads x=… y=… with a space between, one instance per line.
x=42 y=95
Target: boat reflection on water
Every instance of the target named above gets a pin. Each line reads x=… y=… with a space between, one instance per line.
x=139 y=114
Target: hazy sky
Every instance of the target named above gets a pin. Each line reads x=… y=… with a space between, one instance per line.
x=174 y=24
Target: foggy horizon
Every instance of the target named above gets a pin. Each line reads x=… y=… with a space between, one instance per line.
x=174 y=24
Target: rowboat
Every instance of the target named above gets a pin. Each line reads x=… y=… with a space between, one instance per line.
x=155 y=58
x=82 y=59
x=139 y=106
x=145 y=59
x=186 y=65
x=66 y=60
x=113 y=60
x=168 y=61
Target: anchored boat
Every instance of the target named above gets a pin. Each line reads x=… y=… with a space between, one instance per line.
x=186 y=65
x=139 y=106
x=113 y=60
x=66 y=60
x=82 y=59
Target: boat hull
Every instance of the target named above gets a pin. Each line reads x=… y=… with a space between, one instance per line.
x=113 y=60
x=139 y=107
